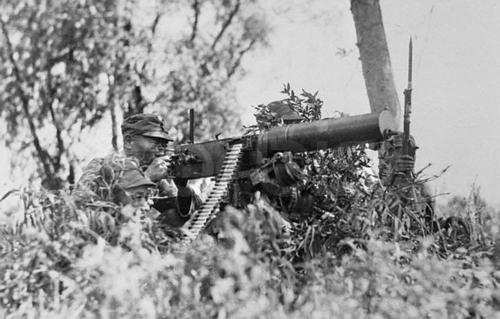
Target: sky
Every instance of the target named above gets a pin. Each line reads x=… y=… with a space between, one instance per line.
x=456 y=72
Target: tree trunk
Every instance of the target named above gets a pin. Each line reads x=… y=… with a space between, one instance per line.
x=374 y=56
x=114 y=127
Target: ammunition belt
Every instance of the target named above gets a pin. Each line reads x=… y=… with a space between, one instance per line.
x=210 y=208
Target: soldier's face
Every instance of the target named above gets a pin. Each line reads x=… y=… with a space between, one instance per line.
x=394 y=147
x=139 y=197
x=144 y=148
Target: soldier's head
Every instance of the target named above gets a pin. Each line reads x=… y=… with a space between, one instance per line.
x=394 y=146
x=284 y=112
x=277 y=113
x=144 y=137
x=131 y=186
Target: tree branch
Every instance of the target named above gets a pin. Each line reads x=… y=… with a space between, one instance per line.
x=49 y=103
x=60 y=58
x=155 y=23
x=196 y=8
x=114 y=128
x=56 y=161
x=237 y=63
x=42 y=154
x=111 y=104
x=226 y=23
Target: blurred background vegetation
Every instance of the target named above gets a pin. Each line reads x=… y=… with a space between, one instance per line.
x=66 y=65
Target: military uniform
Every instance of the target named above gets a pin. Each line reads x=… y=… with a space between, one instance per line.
x=145 y=140
x=107 y=178
x=396 y=172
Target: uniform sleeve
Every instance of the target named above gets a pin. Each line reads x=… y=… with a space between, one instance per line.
x=175 y=211
x=87 y=186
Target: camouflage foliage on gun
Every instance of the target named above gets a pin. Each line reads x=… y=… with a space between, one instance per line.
x=262 y=160
x=205 y=159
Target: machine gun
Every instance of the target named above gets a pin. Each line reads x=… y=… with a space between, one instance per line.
x=255 y=158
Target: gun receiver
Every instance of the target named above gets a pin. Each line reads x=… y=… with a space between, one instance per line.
x=206 y=159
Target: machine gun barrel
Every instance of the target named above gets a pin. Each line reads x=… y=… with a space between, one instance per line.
x=206 y=159
x=327 y=133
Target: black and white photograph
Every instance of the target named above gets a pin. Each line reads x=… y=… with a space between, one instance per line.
x=249 y=159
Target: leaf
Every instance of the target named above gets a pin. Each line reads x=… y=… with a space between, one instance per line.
x=12 y=191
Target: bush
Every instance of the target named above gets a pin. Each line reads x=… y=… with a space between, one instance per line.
x=361 y=253
x=62 y=266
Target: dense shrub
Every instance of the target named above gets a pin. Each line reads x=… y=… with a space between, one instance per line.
x=245 y=272
x=361 y=253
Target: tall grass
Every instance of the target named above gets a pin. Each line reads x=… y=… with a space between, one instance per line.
x=63 y=261
x=362 y=252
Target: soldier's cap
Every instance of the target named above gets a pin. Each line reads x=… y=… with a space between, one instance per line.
x=145 y=124
x=284 y=111
x=131 y=176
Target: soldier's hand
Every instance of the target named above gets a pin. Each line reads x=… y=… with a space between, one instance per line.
x=173 y=232
x=404 y=164
x=158 y=170
x=167 y=188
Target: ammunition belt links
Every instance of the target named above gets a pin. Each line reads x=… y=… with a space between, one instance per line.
x=211 y=207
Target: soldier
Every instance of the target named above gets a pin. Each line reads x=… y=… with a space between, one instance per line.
x=395 y=168
x=393 y=165
x=396 y=171
x=279 y=178
x=130 y=186
x=284 y=113
x=145 y=142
